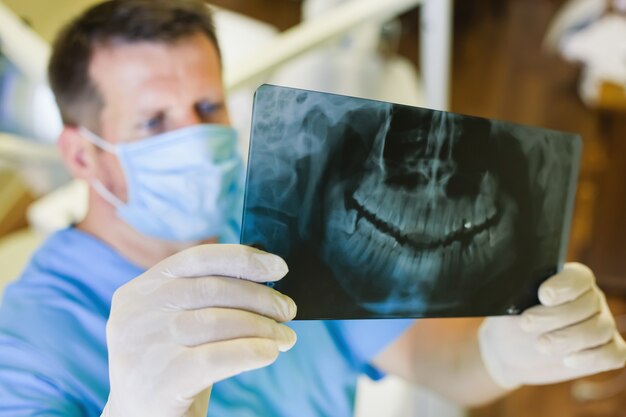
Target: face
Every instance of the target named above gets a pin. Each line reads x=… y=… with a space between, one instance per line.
x=150 y=88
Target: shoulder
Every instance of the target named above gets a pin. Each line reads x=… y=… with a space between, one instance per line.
x=53 y=292
x=66 y=287
x=52 y=323
x=75 y=266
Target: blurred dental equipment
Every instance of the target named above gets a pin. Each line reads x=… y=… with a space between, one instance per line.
x=26 y=102
x=591 y=33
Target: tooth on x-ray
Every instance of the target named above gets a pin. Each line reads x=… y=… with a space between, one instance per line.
x=384 y=210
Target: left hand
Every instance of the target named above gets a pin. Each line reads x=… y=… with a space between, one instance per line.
x=570 y=335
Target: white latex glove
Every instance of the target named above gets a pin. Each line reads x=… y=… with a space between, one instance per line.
x=189 y=322
x=570 y=335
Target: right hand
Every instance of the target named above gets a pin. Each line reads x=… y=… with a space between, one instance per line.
x=189 y=322
x=571 y=334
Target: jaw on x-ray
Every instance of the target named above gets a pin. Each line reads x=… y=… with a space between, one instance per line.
x=383 y=210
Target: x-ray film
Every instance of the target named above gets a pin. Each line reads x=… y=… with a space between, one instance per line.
x=384 y=210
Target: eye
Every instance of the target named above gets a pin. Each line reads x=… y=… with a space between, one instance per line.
x=154 y=124
x=206 y=109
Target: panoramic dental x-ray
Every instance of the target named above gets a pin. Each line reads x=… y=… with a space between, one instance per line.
x=384 y=210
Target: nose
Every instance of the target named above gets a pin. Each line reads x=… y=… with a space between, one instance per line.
x=188 y=118
x=436 y=172
x=418 y=149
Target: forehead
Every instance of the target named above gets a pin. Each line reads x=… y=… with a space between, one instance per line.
x=124 y=70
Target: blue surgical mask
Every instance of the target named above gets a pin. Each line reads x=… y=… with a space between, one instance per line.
x=184 y=185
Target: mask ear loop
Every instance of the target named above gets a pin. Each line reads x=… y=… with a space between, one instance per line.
x=97 y=140
x=96 y=184
x=105 y=193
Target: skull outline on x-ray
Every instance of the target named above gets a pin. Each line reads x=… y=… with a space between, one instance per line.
x=461 y=223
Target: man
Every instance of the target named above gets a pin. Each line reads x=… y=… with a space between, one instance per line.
x=139 y=87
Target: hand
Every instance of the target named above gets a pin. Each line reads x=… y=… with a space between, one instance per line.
x=570 y=335
x=189 y=322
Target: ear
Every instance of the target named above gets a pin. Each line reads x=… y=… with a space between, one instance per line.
x=77 y=153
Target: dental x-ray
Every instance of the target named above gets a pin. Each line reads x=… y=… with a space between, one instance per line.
x=384 y=210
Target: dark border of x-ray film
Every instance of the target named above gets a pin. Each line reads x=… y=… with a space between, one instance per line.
x=569 y=207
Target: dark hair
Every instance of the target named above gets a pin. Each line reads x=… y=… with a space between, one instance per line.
x=115 y=21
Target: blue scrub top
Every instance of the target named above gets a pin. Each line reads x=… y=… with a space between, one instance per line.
x=53 y=357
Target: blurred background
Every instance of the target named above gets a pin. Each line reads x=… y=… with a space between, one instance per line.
x=558 y=64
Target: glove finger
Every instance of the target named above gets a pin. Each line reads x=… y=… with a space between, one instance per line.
x=574 y=280
x=196 y=327
x=603 y=358
x=237 y=261
x=595 y=331
x=205 y=292
x=543 y=319
x=199 y=367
